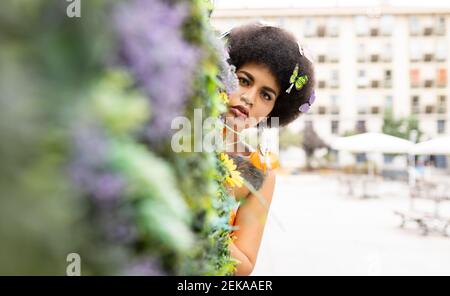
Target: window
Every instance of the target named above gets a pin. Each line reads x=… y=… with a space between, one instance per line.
x=321 y=59
x=429 y=109
x=442 y=100
x=362 y=25
x=374 y=32
x=362 y=79
x=442 y=78
x=441 y=51
x=334 y=53
x=334 y=78
x=334 y=105
x=321 y=30
x=334 y=100
x=441 y=126
x=415 y=104
x=375 y=58
x=414 y=26
x=389 y=158
x=361 y=126
x=387 y=52
x=333 y=27
x=389 y=102
x=415 y=77
x=430 y=77
x=415 y=51
x=362 y=104
x=440 y=26
x=428 y=26
x=334 y=127
x=441 y=161
x=442 y=105
x=309 y=28
x=387 y=24
x=361 y=53
x=428 y=56
x=375 y=110
x=361 y=158
x=388 y=78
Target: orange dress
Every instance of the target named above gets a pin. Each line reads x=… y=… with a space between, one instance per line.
x=263 y=162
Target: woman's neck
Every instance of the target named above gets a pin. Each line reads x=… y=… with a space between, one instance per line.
x=234 y=144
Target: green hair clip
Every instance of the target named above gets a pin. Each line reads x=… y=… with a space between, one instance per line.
x=296 y=80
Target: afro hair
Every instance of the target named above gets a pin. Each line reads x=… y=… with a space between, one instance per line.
x=279 y=51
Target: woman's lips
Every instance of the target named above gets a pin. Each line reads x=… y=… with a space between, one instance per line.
x=238 y=113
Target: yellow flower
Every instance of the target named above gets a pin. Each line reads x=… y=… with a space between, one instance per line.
x=224 y=97
x=234 y=178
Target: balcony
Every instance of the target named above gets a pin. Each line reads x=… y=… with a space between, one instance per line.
x=429 y=109
x=321 y=59
x=428 y=57
x=375 y=84
x=374 y=58
x=428 y=30
x=322 y=110
x=374 y=32
x=428 y=83
x=321 y=31
x=375 y=110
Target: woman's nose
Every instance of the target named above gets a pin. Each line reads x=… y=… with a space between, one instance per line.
x=249 y=97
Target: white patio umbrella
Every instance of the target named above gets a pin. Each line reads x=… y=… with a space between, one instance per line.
x=438 y=146
x=372 y=143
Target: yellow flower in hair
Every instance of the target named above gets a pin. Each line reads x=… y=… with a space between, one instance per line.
x=234 y=178
x=224 y=97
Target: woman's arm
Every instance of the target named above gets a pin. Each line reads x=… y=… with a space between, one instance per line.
x=251 y=220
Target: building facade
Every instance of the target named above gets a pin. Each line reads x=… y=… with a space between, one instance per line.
x=368 y=61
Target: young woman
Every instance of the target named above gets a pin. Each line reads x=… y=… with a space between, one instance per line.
x=276 y=80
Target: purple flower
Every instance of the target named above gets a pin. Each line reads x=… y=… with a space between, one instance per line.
x=162 y=62
x=144 y=267
x=89 y=166
x=227 y=74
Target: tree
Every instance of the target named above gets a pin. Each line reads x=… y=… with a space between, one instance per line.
x=311 y=142
x=402 y=127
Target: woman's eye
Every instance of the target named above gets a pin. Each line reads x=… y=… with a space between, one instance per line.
x=266 y=96
x=243 y=81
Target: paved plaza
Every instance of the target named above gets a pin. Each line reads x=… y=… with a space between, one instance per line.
x=315 y=228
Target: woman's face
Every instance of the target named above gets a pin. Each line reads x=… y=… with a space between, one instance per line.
x=255 y=97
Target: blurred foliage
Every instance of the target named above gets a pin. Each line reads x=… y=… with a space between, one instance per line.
x=402 y=127
x=289 y=138
x=311 y=143
x=76 y=175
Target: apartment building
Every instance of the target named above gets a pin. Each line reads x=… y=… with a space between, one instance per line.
x=368 y=61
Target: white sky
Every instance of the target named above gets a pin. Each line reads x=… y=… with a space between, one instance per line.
x=327 y=3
